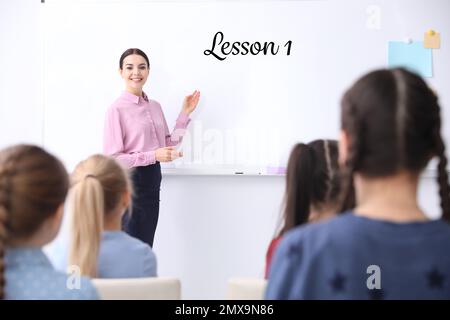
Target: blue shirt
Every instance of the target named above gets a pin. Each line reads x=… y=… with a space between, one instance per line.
x=335 y=260
x=29 y=275
x=122 y=256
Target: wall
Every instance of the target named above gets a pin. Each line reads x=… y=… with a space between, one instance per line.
x=21 y=109
x=211 y=227
x=250 y=103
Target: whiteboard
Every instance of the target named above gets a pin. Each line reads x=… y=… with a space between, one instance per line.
x=253 y=108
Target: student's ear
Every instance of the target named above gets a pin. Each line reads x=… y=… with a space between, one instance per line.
x=344 y=142
x=55 y=222
x=59 y=216
x=126 y=199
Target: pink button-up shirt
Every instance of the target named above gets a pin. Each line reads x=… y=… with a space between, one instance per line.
x=135 y=127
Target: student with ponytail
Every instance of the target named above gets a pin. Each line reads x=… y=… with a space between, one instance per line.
x=100 y=193
x=386 y=247
x=313 y=188
x=33 y=187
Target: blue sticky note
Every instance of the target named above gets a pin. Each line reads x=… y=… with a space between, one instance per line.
x=412 y=56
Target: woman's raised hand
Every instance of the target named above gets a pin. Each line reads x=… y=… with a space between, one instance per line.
x=190 y=102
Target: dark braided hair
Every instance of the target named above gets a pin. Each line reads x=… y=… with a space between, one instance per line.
x=33 y=184
x=442 y=178
x=3 y=236
x=392 y=119
x=7 y=171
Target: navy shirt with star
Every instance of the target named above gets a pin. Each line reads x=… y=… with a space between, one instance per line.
x=353 y=257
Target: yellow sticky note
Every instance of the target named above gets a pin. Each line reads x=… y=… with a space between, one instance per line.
x=432 y=39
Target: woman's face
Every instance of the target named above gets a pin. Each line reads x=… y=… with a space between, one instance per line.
x=134 y=72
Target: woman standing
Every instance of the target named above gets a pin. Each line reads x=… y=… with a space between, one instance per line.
x=136 y=134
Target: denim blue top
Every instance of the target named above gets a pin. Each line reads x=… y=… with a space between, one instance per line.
x=30 y=275
x=342 y=259
x=122 y=256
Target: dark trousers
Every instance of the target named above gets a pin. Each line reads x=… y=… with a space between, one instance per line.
x=142 y=221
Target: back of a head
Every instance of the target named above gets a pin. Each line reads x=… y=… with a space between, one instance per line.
x=325 y=184
x=97 y=186
x=392 y=119
x=312 y=180
x=33 y=185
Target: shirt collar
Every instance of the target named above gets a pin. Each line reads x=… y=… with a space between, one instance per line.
x=134 y=98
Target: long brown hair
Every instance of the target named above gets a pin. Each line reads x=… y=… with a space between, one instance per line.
x=393 y=122
x=33 y=185
x=97 y=185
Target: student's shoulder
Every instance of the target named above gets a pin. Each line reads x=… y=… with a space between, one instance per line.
x=442 y=226
x=318 y=236
x=134 y=243
x=440 y=230
x=339 y=224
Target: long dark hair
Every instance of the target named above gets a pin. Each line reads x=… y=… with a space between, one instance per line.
x=33 y=184
x=312 y=179
x=130 y=52
x=393 y=122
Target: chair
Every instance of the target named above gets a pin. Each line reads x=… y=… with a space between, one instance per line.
x=246 y=289
x=159 y=288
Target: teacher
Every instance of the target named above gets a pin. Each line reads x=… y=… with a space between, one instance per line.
x=137 y=135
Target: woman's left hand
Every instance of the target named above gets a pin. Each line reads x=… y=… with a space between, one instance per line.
x=190 y=102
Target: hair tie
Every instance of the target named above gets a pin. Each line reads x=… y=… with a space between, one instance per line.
x=90 y=176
